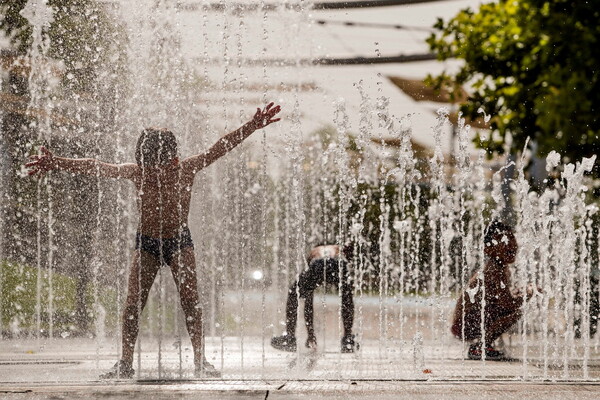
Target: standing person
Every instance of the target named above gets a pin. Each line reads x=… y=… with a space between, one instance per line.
x=163 y=186
x=502 y=307
x=326 y=264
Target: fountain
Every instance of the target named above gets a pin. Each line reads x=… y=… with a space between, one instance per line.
x=326 y=174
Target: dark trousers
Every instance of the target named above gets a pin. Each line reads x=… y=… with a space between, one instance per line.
x=331 y=271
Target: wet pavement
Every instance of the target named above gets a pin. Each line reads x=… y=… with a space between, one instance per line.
x=77 y=360
x=304 y=390
x=69 y=369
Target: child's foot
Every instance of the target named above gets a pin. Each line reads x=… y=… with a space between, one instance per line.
x=311 y=343
x=206 y=370
x=349 y=345
x=284 y=343
x=121 y=370
x=491 y=354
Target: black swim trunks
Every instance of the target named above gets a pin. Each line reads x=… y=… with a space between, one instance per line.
x=323 y=270
x=164 y=249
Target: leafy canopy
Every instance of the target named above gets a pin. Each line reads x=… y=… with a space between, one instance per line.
x=532 y=65
x=82 y=36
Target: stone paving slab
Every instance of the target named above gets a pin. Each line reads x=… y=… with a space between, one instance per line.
x=80 y=361
x=343 y=390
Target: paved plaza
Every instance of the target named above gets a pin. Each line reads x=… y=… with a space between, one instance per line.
x=69 y=369
x=380 y=390
x=394 y=361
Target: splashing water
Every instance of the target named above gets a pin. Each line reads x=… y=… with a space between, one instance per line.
x=328 y=174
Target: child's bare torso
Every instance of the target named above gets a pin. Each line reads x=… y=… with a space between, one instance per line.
x=163 y=200
x=326 y=251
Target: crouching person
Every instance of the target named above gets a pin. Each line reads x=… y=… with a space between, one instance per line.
x=502 y=307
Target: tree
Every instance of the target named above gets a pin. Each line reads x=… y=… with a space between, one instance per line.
x=84 y=54
x=533 y=66
x=77 y=24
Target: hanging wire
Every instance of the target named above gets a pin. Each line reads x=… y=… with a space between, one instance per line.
x=374 y=25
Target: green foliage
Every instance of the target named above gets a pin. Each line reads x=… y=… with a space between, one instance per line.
x=532 y=65
x=14 y=25
x=18 y=299
x=82 y=36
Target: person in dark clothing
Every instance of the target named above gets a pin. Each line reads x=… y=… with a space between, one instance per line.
x=329 y=265
x=503 y=307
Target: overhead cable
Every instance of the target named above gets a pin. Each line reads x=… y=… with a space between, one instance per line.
x=373 y=25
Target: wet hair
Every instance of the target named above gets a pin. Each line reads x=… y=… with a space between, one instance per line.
x=494 y=229
x=348 y=250
x=155 y=146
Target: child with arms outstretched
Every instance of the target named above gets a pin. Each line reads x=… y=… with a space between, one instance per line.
x=163 y=185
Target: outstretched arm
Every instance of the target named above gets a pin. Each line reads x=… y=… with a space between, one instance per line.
x=41 y=163
x=261 y=119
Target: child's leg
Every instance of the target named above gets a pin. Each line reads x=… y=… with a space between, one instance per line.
x=291 y=310
x=496 y=327
x=308 y=281
x=183 y=268
x=347 y=306
x=337 y=274
x=142 y=274
x=309 y=318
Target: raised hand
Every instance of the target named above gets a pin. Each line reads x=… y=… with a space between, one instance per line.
x=265 y=116
x=40 y=163
x=531 y=290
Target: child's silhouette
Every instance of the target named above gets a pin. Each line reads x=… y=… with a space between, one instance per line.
x=502 y=307
x=326 y=265
x=163 y=185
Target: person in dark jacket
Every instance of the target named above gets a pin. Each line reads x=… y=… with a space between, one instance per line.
x=326 y=264
x=503 y=307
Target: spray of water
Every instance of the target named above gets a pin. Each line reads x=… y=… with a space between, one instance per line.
x=417 y=218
